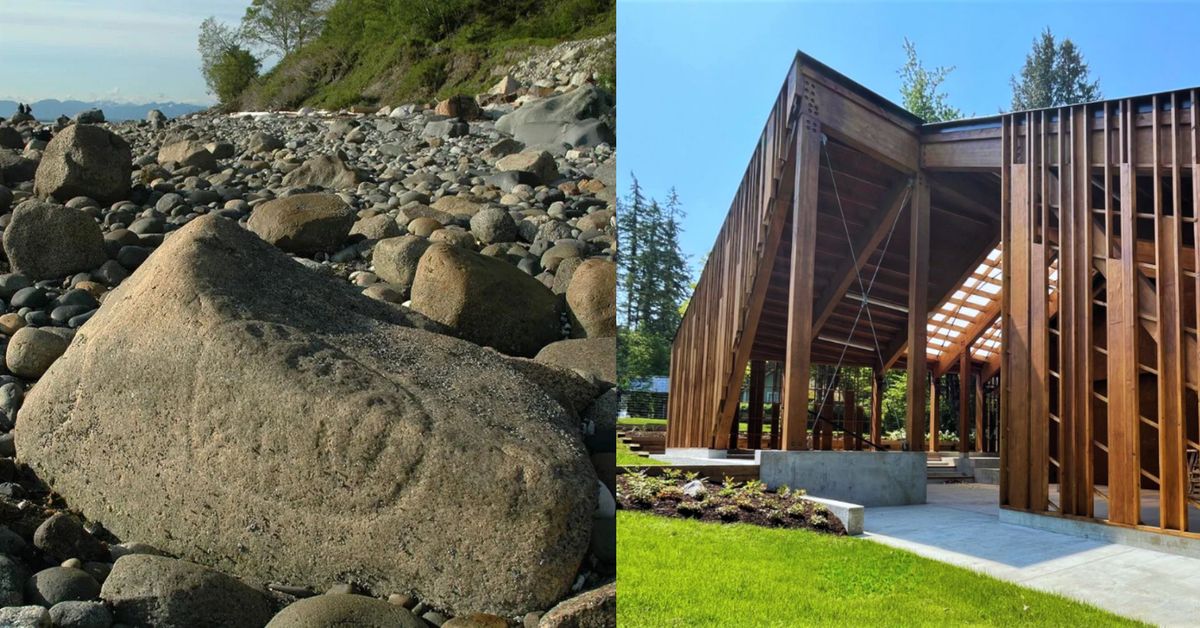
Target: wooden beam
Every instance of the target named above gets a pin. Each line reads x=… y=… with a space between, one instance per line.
x=864 y=246
x=918 y=304
x=971 y=150
x=862 y=125
x=800 y=286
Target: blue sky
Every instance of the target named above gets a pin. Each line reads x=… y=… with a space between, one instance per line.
x=124 y=50
x=696 y=79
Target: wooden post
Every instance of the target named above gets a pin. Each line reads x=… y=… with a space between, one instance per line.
x=758 y=382
x=964 y=401
x=774 y=441
x=979 y=412
x=935 y=412
x=733 y=429
x=825 y=430
x=849 y=420
x=1124 y=419
x=876 y=406
x=918 y=311
x=800 y=286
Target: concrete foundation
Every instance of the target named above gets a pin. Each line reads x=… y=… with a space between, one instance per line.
x=870 y=478
x=1133 y=537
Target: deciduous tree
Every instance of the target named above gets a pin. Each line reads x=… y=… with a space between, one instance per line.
x=282 y=26
x=920 y=88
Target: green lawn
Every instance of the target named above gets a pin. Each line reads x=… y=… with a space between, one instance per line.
x=626 y=457
x=676 y=572
x=634 y=421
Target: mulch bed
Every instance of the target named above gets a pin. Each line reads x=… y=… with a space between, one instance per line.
x=730 y=502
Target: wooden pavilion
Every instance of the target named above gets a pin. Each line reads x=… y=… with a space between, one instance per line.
x=1054 y=249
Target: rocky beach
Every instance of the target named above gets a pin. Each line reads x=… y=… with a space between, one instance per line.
x=313 y=368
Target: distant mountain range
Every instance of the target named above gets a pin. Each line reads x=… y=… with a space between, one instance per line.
x=113 y=111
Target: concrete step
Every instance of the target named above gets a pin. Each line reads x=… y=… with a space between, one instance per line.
x=941 y=474
x=986 y=462
x=987 y=476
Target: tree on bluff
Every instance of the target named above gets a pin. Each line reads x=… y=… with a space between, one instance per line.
x=283 y=26
x=233 y=73
x=216 y=39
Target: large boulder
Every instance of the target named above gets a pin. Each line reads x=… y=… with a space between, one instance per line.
x=326 y=171
x=188 y=153
x=85 y=160
x=147 y=590
x=595 y=356
x=261 y=142
x=11 y=138
x=463 y=107
x=156 y=118
x=376 y=227
x=576 y=118
x=493 y=225
x=271 y=422
x=538 y=163
x=44 y=240
x=340 y=609
x=592 y=299
x=304 y=223
x=16 y=168
x=486 y=300
x=90 y=116
x=396 y=260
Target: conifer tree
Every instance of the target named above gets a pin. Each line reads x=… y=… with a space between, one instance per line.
x=1054 y=75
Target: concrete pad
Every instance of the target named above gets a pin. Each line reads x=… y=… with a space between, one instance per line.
x=870 y=478
x=696 y=452
x=851 y=515
x=961 y=525
x=678 y=457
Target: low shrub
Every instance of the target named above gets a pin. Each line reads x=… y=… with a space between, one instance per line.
x=749 y=502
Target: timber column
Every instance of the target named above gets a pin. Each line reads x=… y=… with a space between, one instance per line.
x=800 y=285
x=918 y=312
